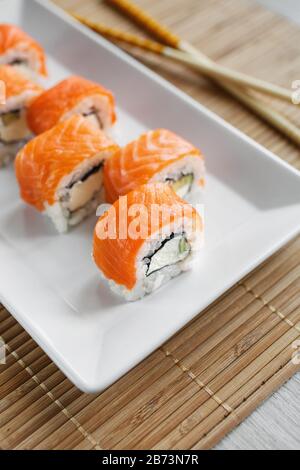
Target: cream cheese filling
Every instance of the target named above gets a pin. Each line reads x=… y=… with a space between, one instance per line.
x=94 y=119
x=172 y=251
x=83 y=191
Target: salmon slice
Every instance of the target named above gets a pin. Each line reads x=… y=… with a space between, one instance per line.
x=121 y=244
x=70 y=96
x=16 y=46
x=17 y=83
x=154 y=156
x=43 y=164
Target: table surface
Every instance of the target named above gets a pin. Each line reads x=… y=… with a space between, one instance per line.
x=288 y=8
x=275 y=424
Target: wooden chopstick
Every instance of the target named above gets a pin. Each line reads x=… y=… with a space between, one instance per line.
x=123 y=36
x=202 y=62
x=217 y=71
x=140 y=17
x=276 y=119
x=213 y=71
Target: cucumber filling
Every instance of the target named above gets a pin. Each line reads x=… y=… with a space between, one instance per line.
x=173 y=250
x=183 y=185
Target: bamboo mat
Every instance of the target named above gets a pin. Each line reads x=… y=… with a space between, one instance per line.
x=205 y=380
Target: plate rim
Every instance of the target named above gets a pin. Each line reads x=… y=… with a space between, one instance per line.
x=51 y=351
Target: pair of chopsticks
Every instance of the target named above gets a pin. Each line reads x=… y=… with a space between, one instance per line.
x=171 y=46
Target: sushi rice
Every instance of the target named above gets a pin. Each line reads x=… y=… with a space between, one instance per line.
x=78 y=195
x=148 y=263
x=170 y=266
x=183 y=176
x=22 y=52
x=14 y=131
x=74 y=95
x=60 y=171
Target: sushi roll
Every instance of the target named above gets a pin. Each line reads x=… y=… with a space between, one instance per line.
x=75 y=95
x=156 y=156
x=153 y=232
x=21 y=51
x=14 y=132
x=60 y=171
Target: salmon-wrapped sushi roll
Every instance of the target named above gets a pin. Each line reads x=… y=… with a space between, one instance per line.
x=153 y=233
x=75 y=95
x=60 y=171
x=157 y=156
x=19 y=92
x=21 y=51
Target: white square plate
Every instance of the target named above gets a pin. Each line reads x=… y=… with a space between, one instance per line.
x=49 y=282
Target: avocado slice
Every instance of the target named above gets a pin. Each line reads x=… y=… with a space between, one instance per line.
x=183 y=185
x=184 y=246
